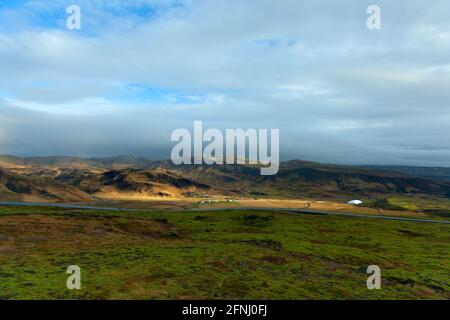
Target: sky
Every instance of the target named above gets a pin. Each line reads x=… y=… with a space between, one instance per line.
x=137 y=70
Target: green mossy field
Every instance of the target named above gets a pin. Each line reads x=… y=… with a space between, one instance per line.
x=217 y=255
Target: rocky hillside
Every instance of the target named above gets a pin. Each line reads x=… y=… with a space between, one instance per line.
x=150 y=183
x=15 y=187
x=75 y=179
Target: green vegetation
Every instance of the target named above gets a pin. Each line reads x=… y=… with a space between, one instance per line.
x=421 y=203
x=384 y=204
x=432 y=207
x=217 y=255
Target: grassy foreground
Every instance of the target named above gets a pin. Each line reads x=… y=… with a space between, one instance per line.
x=217 y=255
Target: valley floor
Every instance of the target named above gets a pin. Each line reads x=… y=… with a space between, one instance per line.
x=407 y=210
x=217 y=255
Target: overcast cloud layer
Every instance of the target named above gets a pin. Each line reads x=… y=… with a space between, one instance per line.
x=137 y=70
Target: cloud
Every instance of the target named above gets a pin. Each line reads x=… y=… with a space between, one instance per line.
x=139 y=69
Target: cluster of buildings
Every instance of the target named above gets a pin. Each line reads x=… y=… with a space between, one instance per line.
x=215 y=201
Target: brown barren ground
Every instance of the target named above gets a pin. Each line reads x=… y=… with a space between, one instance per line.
x=21 y=234
x=155 y=203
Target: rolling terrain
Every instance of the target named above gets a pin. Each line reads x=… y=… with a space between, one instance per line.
x=69 y=179
x=202 y=251
x=217 y=255
x=308 y=179
x=15 y=187
x=437 y=173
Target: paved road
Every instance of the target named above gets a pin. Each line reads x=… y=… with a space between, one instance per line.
x=287 y=210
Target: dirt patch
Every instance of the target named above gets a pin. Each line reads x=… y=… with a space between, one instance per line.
x=219 y=265
x=331 y=264
x=301 y=256
x=274 y=259
x=21 y=232
x=406 y=282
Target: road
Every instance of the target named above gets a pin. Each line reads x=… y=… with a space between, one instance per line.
x=287 y=210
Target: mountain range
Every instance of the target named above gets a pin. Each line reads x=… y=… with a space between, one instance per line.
x=72 y=179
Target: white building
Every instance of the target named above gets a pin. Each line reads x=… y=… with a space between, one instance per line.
x=355 y=202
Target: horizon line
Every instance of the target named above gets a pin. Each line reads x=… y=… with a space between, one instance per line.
x=150 y=158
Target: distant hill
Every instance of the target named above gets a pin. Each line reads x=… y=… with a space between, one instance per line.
x=438 y=173
x=15 y=187
x=75 y=162
x=132 y=181
x=76 y=179
x=308 y=179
